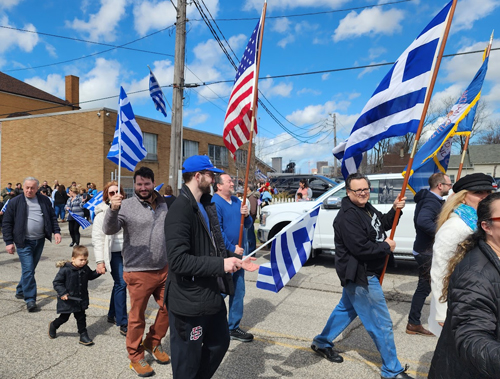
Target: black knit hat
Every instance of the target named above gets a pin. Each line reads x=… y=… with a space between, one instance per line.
x=474 y=182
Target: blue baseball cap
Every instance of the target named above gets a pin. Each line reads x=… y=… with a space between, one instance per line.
x=199 y=163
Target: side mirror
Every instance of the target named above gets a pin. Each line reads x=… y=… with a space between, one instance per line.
x=333 y=202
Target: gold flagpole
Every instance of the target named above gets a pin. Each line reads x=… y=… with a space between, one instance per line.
x=254 y=113
x=420 y=127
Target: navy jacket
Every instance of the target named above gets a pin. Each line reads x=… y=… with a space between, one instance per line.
x=425 y=217
x=15 y=220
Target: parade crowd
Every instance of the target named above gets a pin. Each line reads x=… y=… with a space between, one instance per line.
x=185 y=252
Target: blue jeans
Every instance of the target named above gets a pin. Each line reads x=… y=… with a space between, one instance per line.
x=252 y=241
x=236 y=301
x=118 y=302
x=29 y=256
x=59 y=210
x=367 y=302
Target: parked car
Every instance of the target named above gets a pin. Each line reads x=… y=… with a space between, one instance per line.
x=290 y=184
x=384 y=190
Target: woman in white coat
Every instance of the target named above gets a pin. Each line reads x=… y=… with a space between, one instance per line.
x=107 y=250
x=456 y=222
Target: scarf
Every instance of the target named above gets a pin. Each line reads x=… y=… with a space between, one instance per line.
x=468 y=215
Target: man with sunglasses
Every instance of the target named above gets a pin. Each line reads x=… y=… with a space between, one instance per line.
x=145 y=268
x=429 y=203
x=361 y=248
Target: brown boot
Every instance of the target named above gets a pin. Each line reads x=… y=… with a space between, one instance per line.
x=142 y=368
x=157 y=352
x=418 y=329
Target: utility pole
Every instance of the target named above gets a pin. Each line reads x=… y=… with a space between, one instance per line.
x=334 y=144
x=175 y=163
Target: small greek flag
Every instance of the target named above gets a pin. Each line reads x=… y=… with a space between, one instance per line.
x=4 y=208
x=156 y=94
x=130 y=146
x=158 y=188
x=94 y=202
x=79 y=219
x=289 y=251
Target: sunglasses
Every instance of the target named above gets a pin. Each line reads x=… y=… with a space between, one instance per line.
x=111 y=193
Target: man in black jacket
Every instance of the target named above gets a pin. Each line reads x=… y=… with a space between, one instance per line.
x=428 y=206
x=361 y=248
x=199 y=271
x=28 y=220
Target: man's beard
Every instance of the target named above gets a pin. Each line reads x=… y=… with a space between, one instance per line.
x=150 y=193
x=204 y=185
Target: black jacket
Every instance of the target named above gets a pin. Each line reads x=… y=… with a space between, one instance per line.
x=195 y=258
x=60 y=198
x=425 y=217
x=15 y=220
x=73 y=281
x=360 y=249
x=469 y=345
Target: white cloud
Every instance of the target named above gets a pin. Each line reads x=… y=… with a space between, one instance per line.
x=368 y=70
x=153 y=14
x=376 y=52
x=281 y=25
x=314 y=113
x=11 y=38
x=292 y=4
x=103 y=24
x=270 y=89
x=7 y=4
x=285 y=41
x=370 y=21
x=325 y=76
x=308 y=91
x=470 y=11
x=195 y=117
x=51 y=50
x=54 y=84
x=102 y=81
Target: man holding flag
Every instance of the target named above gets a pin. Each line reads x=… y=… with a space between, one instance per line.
x=361 y=247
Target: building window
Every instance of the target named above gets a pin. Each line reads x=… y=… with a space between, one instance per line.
x=151 y=144
x=241 y=156
x=218 y=155
x=189 y=148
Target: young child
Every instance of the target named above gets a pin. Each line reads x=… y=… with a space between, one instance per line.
x=71 y=285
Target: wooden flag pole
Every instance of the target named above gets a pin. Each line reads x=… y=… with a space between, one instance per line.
x=254 y=114
x=466 y=146
x=420 y=127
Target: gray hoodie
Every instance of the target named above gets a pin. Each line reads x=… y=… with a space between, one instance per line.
x=144 y=246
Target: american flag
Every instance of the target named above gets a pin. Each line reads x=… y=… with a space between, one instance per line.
x=239 y=110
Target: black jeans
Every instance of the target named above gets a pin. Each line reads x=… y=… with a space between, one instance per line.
x=74 y=231
x=198 y=344
x=423 y=287
x=81 y=320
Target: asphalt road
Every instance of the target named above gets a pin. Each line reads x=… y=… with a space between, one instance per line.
x=283 y=324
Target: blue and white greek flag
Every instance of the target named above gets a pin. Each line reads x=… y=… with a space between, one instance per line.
x=132 y=145
x=259 y=175
x=156 y=94
x=396 y=106
x=79 y=219
x=158 y=188
x=289 y=251
x=4 y=208
x=94 y=202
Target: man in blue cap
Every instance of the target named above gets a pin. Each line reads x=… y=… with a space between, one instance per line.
x=200 y=269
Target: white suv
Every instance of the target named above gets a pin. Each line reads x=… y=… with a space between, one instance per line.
x=384 y=189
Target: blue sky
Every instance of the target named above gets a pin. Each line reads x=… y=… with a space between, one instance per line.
x=292 y=45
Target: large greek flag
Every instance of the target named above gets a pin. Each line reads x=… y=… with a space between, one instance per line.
x=434 y=155
x=396 y=106
x=132 y=146
x=289 y=251
x=156 y=94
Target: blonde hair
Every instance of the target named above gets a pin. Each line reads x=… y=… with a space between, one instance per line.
x=449 y=206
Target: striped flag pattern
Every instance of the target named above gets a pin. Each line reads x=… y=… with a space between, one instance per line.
x=4 y=208
x=132 y=145
x=79 y=219
x=156 y=94
x=289 y=251
x=92 y=203
x=238 y=119
x=397 y=104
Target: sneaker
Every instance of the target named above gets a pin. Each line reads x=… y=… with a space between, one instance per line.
x=85 y=339
x=328 y=353
x=123 y=330
x=52 y=330
x=157 y=352
x=142 y=368
x=111 y=320
x=71 y=244
x=401 y=375
x=31 y=306
x=19 y=296
x=239 y=335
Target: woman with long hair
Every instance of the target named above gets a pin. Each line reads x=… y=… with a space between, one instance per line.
x=469 y=345
x=60 y=199
x=457 y=220
x=74 y=204
x=108 y=256
x=304 y=190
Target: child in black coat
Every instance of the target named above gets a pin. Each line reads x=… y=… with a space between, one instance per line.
x=71 y=285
